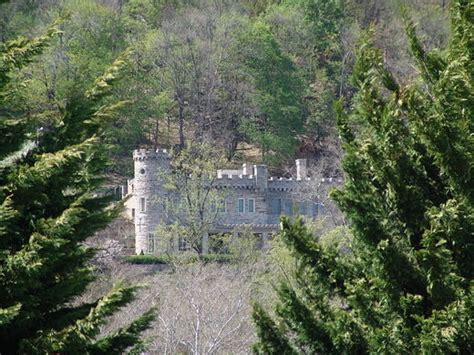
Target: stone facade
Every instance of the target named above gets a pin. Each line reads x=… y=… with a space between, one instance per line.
x=253 y=200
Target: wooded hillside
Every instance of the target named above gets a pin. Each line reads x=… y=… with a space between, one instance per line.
x=258 y=78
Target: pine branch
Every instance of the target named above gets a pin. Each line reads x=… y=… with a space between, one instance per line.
x=124 y=338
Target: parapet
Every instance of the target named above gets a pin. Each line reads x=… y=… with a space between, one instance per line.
x=228 y=172
x=148 y=154
x=236 y=181
x=282 y=184
x=289 y=184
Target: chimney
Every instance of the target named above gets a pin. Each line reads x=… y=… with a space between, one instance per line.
x=301 y=173
x=261 y=176
x=247 y=169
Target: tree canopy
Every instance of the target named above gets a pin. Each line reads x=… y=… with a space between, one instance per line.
x=407 y=284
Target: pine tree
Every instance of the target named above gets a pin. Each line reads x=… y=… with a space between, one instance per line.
x=50 y=202
x=407 y=285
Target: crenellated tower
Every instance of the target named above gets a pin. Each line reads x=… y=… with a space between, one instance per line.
x=149 y=169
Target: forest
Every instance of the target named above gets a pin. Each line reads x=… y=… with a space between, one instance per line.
x=378 y=94
x=242 y=74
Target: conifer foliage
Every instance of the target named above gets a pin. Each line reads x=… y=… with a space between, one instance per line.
x=407 y=286
x=49 y=204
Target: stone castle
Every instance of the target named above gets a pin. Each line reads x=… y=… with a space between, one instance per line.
x=255 y=202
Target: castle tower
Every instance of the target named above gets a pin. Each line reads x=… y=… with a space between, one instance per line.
x=149 y=167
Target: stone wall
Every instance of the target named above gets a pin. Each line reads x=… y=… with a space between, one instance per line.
x=271 y=196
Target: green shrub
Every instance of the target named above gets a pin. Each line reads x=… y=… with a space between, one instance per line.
x=185 y=258
x=148 y=259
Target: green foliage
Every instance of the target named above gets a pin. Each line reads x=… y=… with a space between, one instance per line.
x=49 y=205
x=15 y=55
x=311 y=34
x=148 y=259
x=272 y=339
x=407 y=285
x=214 y=258
x=325 y=17
x=116 y=342
x=189 y=53
x=278 y=94
x=185 y=259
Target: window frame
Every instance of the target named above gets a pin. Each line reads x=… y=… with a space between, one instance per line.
x=241 y=199
x=222 y=206
x=142 y=204
x=253 y=205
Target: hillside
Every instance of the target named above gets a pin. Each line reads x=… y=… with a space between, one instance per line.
x=218 y=70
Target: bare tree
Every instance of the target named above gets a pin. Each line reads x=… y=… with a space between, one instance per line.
x=202 y=308
x=205 y=309
x=192 y=200
x=192 y=56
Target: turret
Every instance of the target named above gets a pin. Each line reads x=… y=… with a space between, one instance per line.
x=149 y=165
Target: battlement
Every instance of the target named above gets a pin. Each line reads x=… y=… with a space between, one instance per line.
x=240 y=179
x=236 y=181
x=235 y=177
x=247 y=177
x=288 y=184
x=148 y=154
x=282 y=184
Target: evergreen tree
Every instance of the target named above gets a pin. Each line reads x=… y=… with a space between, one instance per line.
x=407 y=285
x=50 y=202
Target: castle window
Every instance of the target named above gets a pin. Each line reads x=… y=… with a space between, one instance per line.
x=289 y=208
x=133 y=212
x=276 y=206
x=251 y=205
x=151 y=243
x=241 y=205
x=142 y=204
x=222 y=206
x=142 y=171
